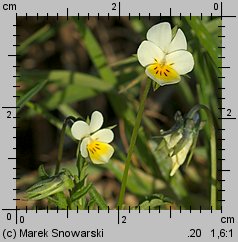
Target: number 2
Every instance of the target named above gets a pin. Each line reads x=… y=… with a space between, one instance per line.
x=124 y=219
x=114 y=6
x=9 y=114
x=229 y=112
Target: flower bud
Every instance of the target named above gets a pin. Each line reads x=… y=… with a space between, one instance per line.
x=181 y=139
x=50 y=186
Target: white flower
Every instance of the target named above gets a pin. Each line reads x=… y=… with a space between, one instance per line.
x=165 y=57
x=94 y=142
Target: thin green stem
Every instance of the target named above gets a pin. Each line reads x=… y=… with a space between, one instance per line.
x=133 y=142
x=80 y=161
x=213 y=193
x=82 y=166
x=61 y=143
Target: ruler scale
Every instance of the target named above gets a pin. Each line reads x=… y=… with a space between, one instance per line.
x=49 y=225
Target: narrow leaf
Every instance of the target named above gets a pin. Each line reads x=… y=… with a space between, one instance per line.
x=206 y=39
x=27 y=97
x=81 y=192
x=98 y=198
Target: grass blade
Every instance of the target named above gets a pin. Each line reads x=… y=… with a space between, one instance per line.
x=27 y=97
x=98 y=198
x=42 y=34
x=206 y=40
x=81 y=192
x=95 y=52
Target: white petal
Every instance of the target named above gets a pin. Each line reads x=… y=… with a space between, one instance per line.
x=161 y=82
x=103 y=135
x=178 y=159
x=183 y=61
x=179 y=42
x=80 y=129
x=175 y=167
x=161 y=35
x=96 y=121
x=148 y=52
x=172 y=139
x=83 y=147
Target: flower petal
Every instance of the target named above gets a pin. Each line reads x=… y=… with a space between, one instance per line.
x=182 y=61
x=162 y=80
x=172 y=139
x=103 y=135
x=83 y=147
x=80 y=129
x=96 y=121
x=175 y=167
x=148 y=52
x=160 y=35
x=179 y=42
x=178 y=159
x=99 y=152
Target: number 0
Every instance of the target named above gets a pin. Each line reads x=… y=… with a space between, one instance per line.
x=215 y=6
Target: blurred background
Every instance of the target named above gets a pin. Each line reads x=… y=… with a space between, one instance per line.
x=89 y=65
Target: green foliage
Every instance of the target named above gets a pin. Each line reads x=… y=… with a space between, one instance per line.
x=99 y=200
x=80 y=192
x=155 y=202
x=30 y=94
x=55 y=93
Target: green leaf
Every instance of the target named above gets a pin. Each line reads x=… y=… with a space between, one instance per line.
x=68 y=86
x=64 y=78
x=139 y=182
x=67 y=111
x=206 y=40
x=98 y=198
x=42 y=172
x=80 y=192
x=38 y=109
x=42 y=34
x=95 y=52
x=91 y=204
x=154 y=202
x=59 y=200
x=27 y=97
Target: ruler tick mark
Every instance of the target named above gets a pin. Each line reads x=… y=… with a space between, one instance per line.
x=118 y=215
x=232 y=118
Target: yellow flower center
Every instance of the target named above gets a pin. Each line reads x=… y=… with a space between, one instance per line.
x=163 y=71
x=98 y=151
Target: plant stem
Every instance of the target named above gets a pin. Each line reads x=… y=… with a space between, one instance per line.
x=133 y=142
x=80 y=161
x=81 y=165
x=213 y=193
x=213 y=160
x=61 y=143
